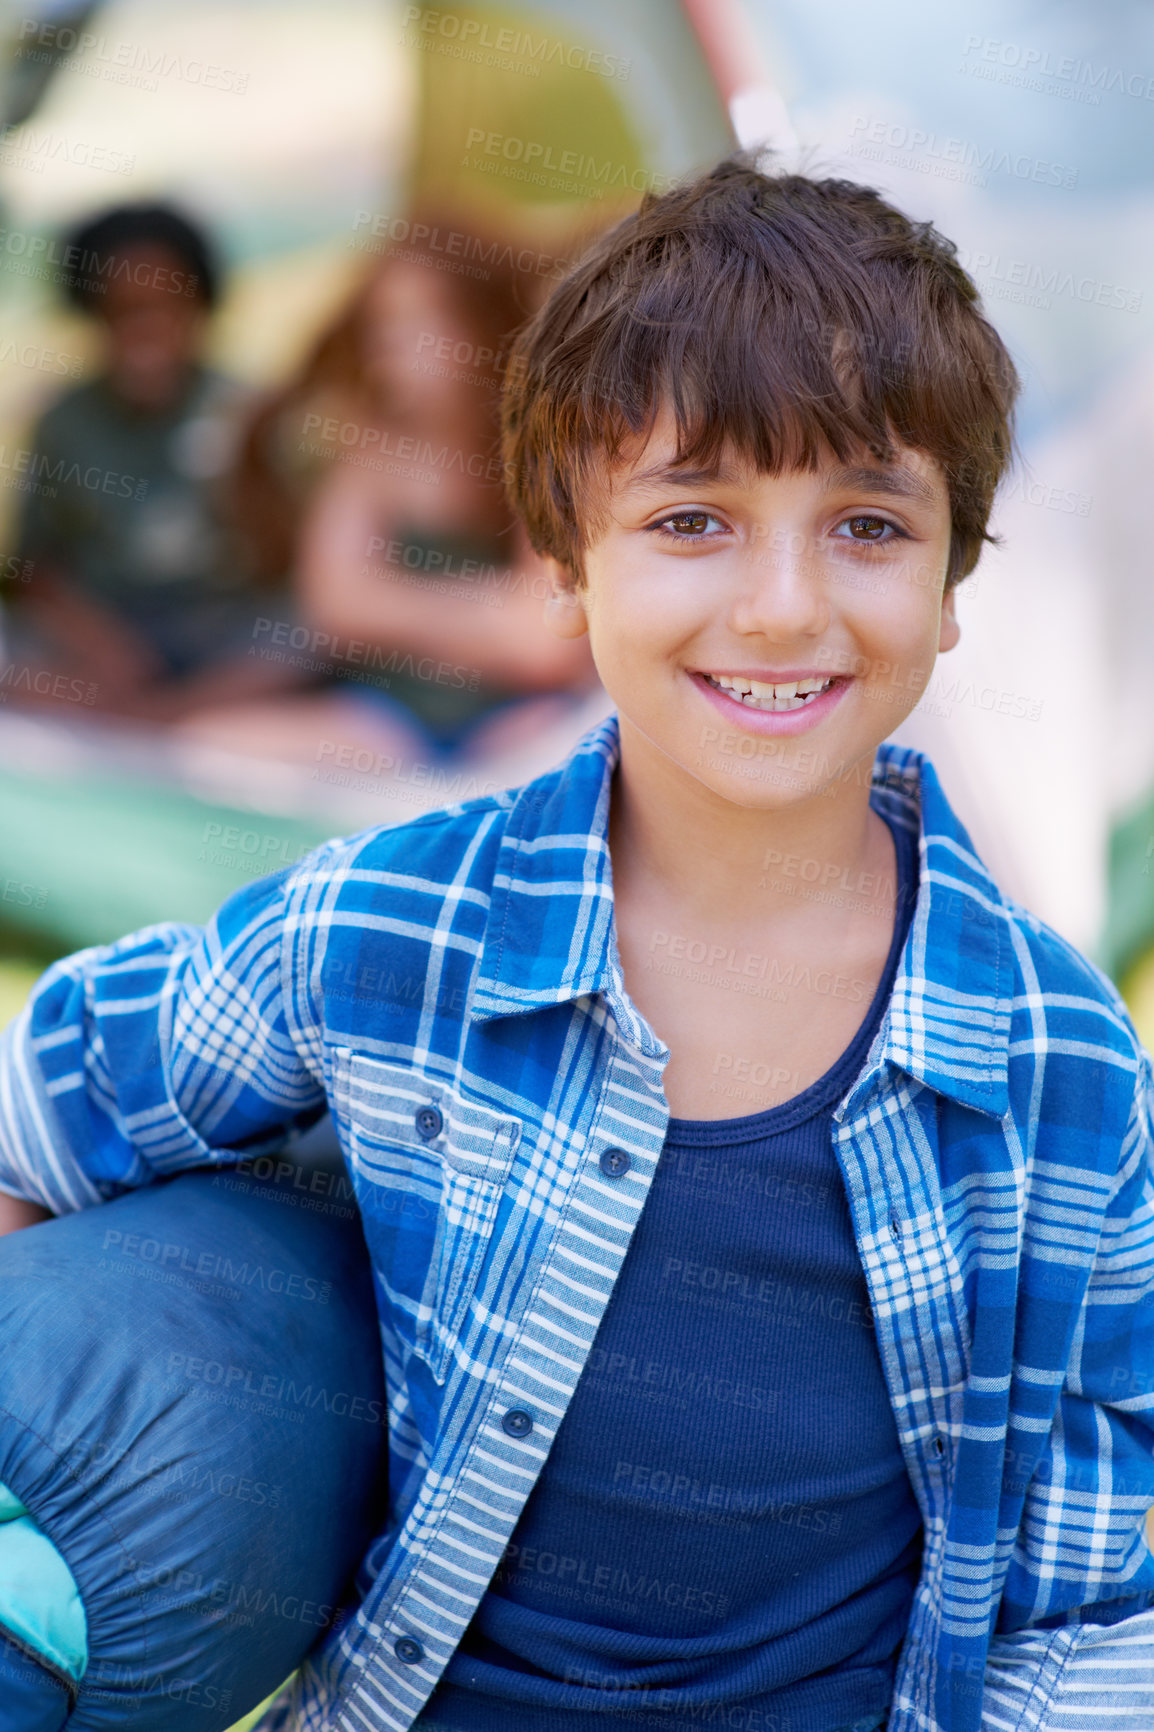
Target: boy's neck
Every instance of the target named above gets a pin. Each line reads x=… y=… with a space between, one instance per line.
x=677 y=844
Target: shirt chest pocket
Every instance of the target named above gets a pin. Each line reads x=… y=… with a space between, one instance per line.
x=429 y=1168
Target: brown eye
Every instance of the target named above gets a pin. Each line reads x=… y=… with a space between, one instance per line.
x=689 y=522
x=868 y=528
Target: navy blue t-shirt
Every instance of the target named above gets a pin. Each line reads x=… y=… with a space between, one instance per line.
x=724 y=1527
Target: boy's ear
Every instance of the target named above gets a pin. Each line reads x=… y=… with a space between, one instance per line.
x=564 y=608
x=951 y=631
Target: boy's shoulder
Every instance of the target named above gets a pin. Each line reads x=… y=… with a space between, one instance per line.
x=434 y=838
x=532 y=829
x=73 y=407
x=1050 y=968
x=988 y=965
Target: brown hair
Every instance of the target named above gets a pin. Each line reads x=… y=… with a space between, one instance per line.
x=781 y=316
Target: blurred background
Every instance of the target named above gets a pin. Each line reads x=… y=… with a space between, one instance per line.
x=260 y=264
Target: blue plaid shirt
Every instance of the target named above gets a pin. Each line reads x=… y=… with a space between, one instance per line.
x=451 y=987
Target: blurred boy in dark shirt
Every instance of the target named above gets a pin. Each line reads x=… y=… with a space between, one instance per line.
x=135 y=582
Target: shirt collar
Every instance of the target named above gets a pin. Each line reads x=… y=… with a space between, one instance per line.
x=550 y=933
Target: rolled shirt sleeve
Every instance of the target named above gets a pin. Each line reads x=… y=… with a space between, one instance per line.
x=171 y=1048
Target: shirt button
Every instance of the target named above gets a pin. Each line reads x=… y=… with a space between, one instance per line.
x=408 y=1650
x=614 y=1162
x=429 y=1122
x=517 y=1422
x=939 y=1446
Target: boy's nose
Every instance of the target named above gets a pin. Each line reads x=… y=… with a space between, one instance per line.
x=780 y=591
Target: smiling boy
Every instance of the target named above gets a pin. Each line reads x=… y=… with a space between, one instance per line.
x=686 y=609
x=832 y=1412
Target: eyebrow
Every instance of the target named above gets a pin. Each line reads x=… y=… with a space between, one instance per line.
x=681 y=475
x=897 y=481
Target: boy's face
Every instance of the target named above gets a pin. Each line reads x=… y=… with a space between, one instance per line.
x=153 y=331
x=407 y=306
x=832 y=578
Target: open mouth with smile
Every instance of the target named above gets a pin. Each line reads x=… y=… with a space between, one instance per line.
x=801 y=696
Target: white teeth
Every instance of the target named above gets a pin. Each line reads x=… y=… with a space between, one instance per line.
x=760 y=695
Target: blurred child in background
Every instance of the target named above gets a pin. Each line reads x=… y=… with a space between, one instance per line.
x=372 y=478
x=136 y=583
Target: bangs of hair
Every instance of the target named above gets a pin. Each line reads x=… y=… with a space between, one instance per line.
x=781 y=319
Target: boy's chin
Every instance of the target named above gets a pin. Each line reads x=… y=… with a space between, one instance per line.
x=775 y=775
x=762 y=788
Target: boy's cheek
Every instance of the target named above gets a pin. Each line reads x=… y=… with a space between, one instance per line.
x=894 y=684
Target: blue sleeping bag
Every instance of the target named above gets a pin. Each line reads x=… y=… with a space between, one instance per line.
x=31 y=1699
x=192 y=1413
